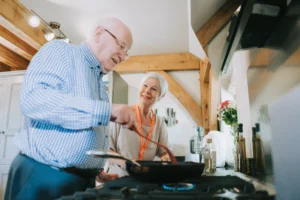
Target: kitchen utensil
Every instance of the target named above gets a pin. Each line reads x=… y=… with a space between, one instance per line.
x=196 y=140
x=106 y=154
x=172 y=157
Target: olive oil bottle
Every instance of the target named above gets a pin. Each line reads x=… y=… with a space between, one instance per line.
x=258 y=153
x=242 y=150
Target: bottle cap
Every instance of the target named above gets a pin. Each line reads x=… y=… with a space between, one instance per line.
x=209 y=140
x=257 y=125
x=240 y=129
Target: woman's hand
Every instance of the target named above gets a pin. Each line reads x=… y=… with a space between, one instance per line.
x=103 y=177
x=165 y=157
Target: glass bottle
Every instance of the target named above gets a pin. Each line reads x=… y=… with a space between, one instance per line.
x=207 y=156
x=260 y=159
x=195 y=142
x=213 y=156
x=254 y=139
x=242 y=150
x=236 y=155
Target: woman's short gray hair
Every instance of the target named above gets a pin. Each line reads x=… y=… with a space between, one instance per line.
x=163 y=84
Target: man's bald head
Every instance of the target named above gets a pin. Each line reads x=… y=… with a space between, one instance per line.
x=105 y=42
x=117 y=27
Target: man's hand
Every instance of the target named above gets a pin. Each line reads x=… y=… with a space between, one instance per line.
x=121 y=163
x=123 y=114
x=103 y=177
x=165 y=157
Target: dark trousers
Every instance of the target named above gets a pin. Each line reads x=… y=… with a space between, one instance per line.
x=29 y=179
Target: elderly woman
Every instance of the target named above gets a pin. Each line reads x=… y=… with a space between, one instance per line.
x=128 y=143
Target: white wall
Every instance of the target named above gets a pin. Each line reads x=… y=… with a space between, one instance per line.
x=194 y=45
x=181 y=133
x=215 y=49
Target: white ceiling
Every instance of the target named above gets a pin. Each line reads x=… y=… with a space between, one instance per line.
x=203 y=10
x=158 y=26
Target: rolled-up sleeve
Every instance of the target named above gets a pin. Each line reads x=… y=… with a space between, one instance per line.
x=44 y=96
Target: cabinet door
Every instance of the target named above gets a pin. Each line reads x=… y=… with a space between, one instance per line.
x=3 y=92
x=10 y=122
x=11 y=119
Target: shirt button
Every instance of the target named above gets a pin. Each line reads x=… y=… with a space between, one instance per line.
x=98 y=67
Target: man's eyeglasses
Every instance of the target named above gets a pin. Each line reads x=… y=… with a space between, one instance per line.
x=121 y=44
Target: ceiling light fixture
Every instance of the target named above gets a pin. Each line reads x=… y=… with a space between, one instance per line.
x=59 y=34
x=48 y=34
x=34 y=21
x=52 y=29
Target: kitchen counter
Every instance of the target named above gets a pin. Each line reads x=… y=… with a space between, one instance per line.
x=261 y=183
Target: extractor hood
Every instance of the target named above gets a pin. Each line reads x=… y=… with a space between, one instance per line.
x=251 y=26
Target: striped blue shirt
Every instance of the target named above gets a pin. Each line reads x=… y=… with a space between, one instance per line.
x=66 y=107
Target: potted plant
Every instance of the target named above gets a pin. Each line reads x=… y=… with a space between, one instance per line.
x=228 y=113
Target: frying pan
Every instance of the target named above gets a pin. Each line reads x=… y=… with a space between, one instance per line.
x=165 y=172
x=157 y=171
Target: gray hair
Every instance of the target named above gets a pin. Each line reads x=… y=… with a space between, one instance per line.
x=163 y=84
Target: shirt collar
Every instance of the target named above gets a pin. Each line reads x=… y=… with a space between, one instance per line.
x=91 y=58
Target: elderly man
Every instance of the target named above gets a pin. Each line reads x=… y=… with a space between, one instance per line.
x=67 y=111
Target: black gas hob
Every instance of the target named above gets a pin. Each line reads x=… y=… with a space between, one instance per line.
x=205 y=188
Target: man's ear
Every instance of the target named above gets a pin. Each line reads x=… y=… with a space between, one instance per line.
x=99 y=31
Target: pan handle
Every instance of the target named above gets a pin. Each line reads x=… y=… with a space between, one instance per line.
x=106 y=154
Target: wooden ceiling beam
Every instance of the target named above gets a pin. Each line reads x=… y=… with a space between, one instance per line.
x=14 y=17
x=294 y=59
x=265 y=57
x=205 y=97
x=166 y=62
x=215 y=99
x=185 y=99
x=184 y=56
x=212 y=27
x=4 y=67
x=262 y=59
x=206 y=72
x=12 y=59
x=139 y=67
x=15 y=44
x=210 y=96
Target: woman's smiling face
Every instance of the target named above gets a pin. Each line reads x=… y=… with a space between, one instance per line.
x=149 y=91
